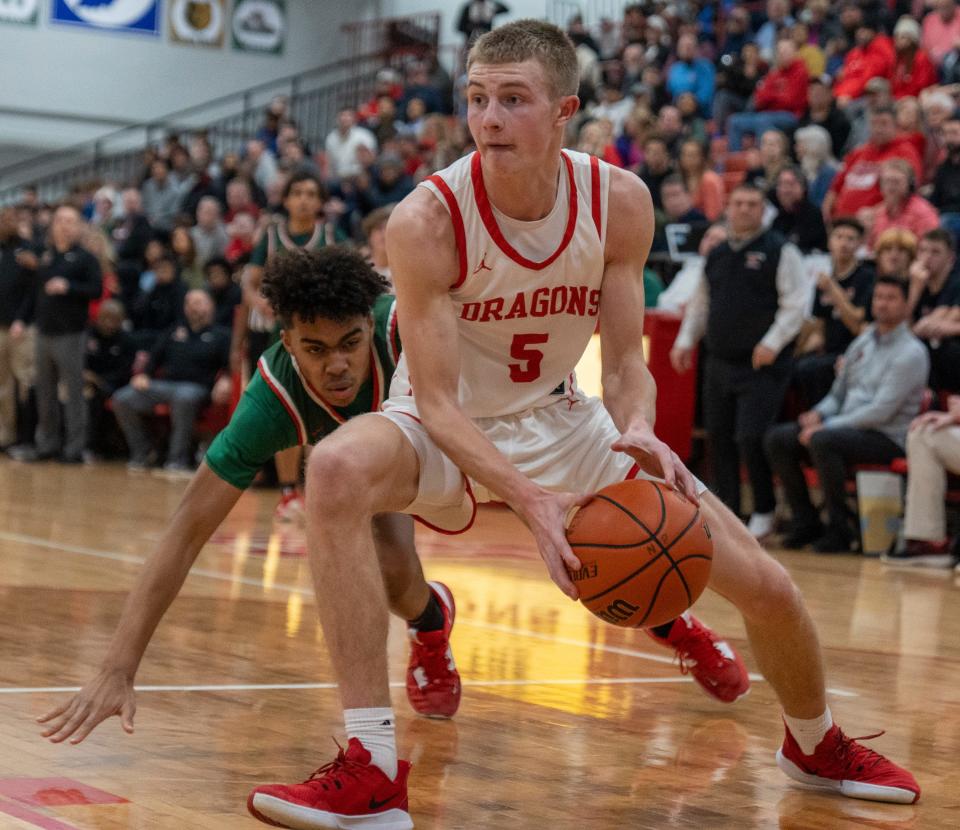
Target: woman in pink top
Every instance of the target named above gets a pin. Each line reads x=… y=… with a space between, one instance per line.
x=705 y=186
x=941 y=29
x=901 y=207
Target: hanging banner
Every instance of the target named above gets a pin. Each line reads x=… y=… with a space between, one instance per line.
x=23 y=12
x=260 y=25
x=198 y=22
x=131 y=16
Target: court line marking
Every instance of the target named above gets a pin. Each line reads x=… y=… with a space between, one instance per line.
x=282 y=687
x=131 y=559
x=28 y=816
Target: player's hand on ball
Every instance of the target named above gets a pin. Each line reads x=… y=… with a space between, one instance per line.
x=108 y=694
x=657 y=459
x=546 y=515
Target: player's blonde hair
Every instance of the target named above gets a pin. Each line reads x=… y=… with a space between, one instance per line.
x=536 y=40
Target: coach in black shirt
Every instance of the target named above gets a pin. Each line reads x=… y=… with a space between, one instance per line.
x=750 y=304
x=68 y=278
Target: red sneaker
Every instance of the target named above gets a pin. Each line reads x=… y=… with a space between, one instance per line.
x=349 y=792
x=290 y=508
x=842 y=765
x=433 y=682
x=713 y=663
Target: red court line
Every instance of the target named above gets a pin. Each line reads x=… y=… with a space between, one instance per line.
x=30 y=817
x=55 y=792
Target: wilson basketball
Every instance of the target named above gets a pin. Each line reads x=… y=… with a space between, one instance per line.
x=645 y=554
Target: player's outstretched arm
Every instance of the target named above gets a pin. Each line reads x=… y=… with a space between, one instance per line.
x=423 y=263
x=629 y=391
x=205 y=504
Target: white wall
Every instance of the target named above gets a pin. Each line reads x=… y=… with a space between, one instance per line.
x=129 y=77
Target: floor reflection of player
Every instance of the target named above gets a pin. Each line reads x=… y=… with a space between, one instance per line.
x=484 y=403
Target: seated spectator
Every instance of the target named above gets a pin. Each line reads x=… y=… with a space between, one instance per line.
x=693 y=125
x=656 y=166
x=798 y=219
x=816 y=161
x=161 y=306
x=242 y=232
x=226 y=293
x=857 y=183
x=595 y=140
x=690 y=73
x=414 y=120
x=613 y=106
x=778 y=20
x=736 y=35
x=822 y=111
x=873 y=56
x=737 y=78
x=841 y=306
x=263 y=165
x=670 y=129
x=677 y=209
x=910 y=126
x=209 y=234
x=181 y=244
x=110 y=352
x=655 y=51
x=161 y=197
x=476 y=18
x=239 y=197
x=896 y=249
x=181 y=372
x=902 y=206
x=774 y=157
x=808 y=50
x=343 y=142
x=374 y=228
x=863 y=420
x=388 y=84
x=779 y=101
x=933 y=450
x=383 y=122
x=704 y=185
x=941 y=30
x=946 y=181
x=913 y=71
x=386 y=183
x=935 y=305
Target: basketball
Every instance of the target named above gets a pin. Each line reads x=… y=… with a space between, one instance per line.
x=645 y=554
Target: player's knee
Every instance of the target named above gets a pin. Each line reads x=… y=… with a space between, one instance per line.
x=774 y=594
x=336 y=479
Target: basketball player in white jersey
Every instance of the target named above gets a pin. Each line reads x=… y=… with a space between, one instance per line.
x=503 y=265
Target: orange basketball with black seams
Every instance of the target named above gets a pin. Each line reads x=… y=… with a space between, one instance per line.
x=645 y=553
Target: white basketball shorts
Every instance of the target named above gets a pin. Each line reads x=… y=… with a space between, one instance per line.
x=563 y=447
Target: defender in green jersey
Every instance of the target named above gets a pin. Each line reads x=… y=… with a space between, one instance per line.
x=338 y=348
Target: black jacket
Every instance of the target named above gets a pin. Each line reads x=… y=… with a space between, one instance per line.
x=65 y=313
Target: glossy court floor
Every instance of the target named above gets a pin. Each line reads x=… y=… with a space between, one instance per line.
x=566 y=723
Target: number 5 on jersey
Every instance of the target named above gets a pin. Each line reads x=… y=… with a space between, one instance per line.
x=520 y=349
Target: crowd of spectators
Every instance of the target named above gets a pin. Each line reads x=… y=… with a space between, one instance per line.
x=843 y=117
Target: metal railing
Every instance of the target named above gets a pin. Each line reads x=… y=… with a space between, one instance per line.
x=314 y=98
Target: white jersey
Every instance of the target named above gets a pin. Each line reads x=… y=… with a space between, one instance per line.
x=527 y=295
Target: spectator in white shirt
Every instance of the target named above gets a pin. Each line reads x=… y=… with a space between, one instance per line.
x=343 y=143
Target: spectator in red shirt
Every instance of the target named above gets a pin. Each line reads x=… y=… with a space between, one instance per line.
x=913 y=71
x=902 y=206
x=779 y=100
x=941 y=30
x=857 y=183
x=872 y=57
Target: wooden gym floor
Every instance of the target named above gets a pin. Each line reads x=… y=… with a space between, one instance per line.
x=566 y=723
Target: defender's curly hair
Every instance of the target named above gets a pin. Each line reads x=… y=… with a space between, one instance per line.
x=333 y=283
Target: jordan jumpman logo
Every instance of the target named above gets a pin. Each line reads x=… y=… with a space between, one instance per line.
x=482 y=266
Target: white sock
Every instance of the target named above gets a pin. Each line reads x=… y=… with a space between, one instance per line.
x=809 y=733
x=375 y=729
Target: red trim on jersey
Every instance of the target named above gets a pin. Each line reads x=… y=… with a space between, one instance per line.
x=595 y=193
x=634 y=472
x=375 y=371
x=392 y=339
x=459 y=232
x=301 y=437
x=473 y=514
x=490 y=221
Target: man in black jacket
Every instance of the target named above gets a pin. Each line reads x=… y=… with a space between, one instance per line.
x=17 y=265
x=68 y=278
x=181 y=372
x=110 y=352
x=946 y=181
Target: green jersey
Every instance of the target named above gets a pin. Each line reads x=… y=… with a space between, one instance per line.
x=277 y=238
x=281 y=409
